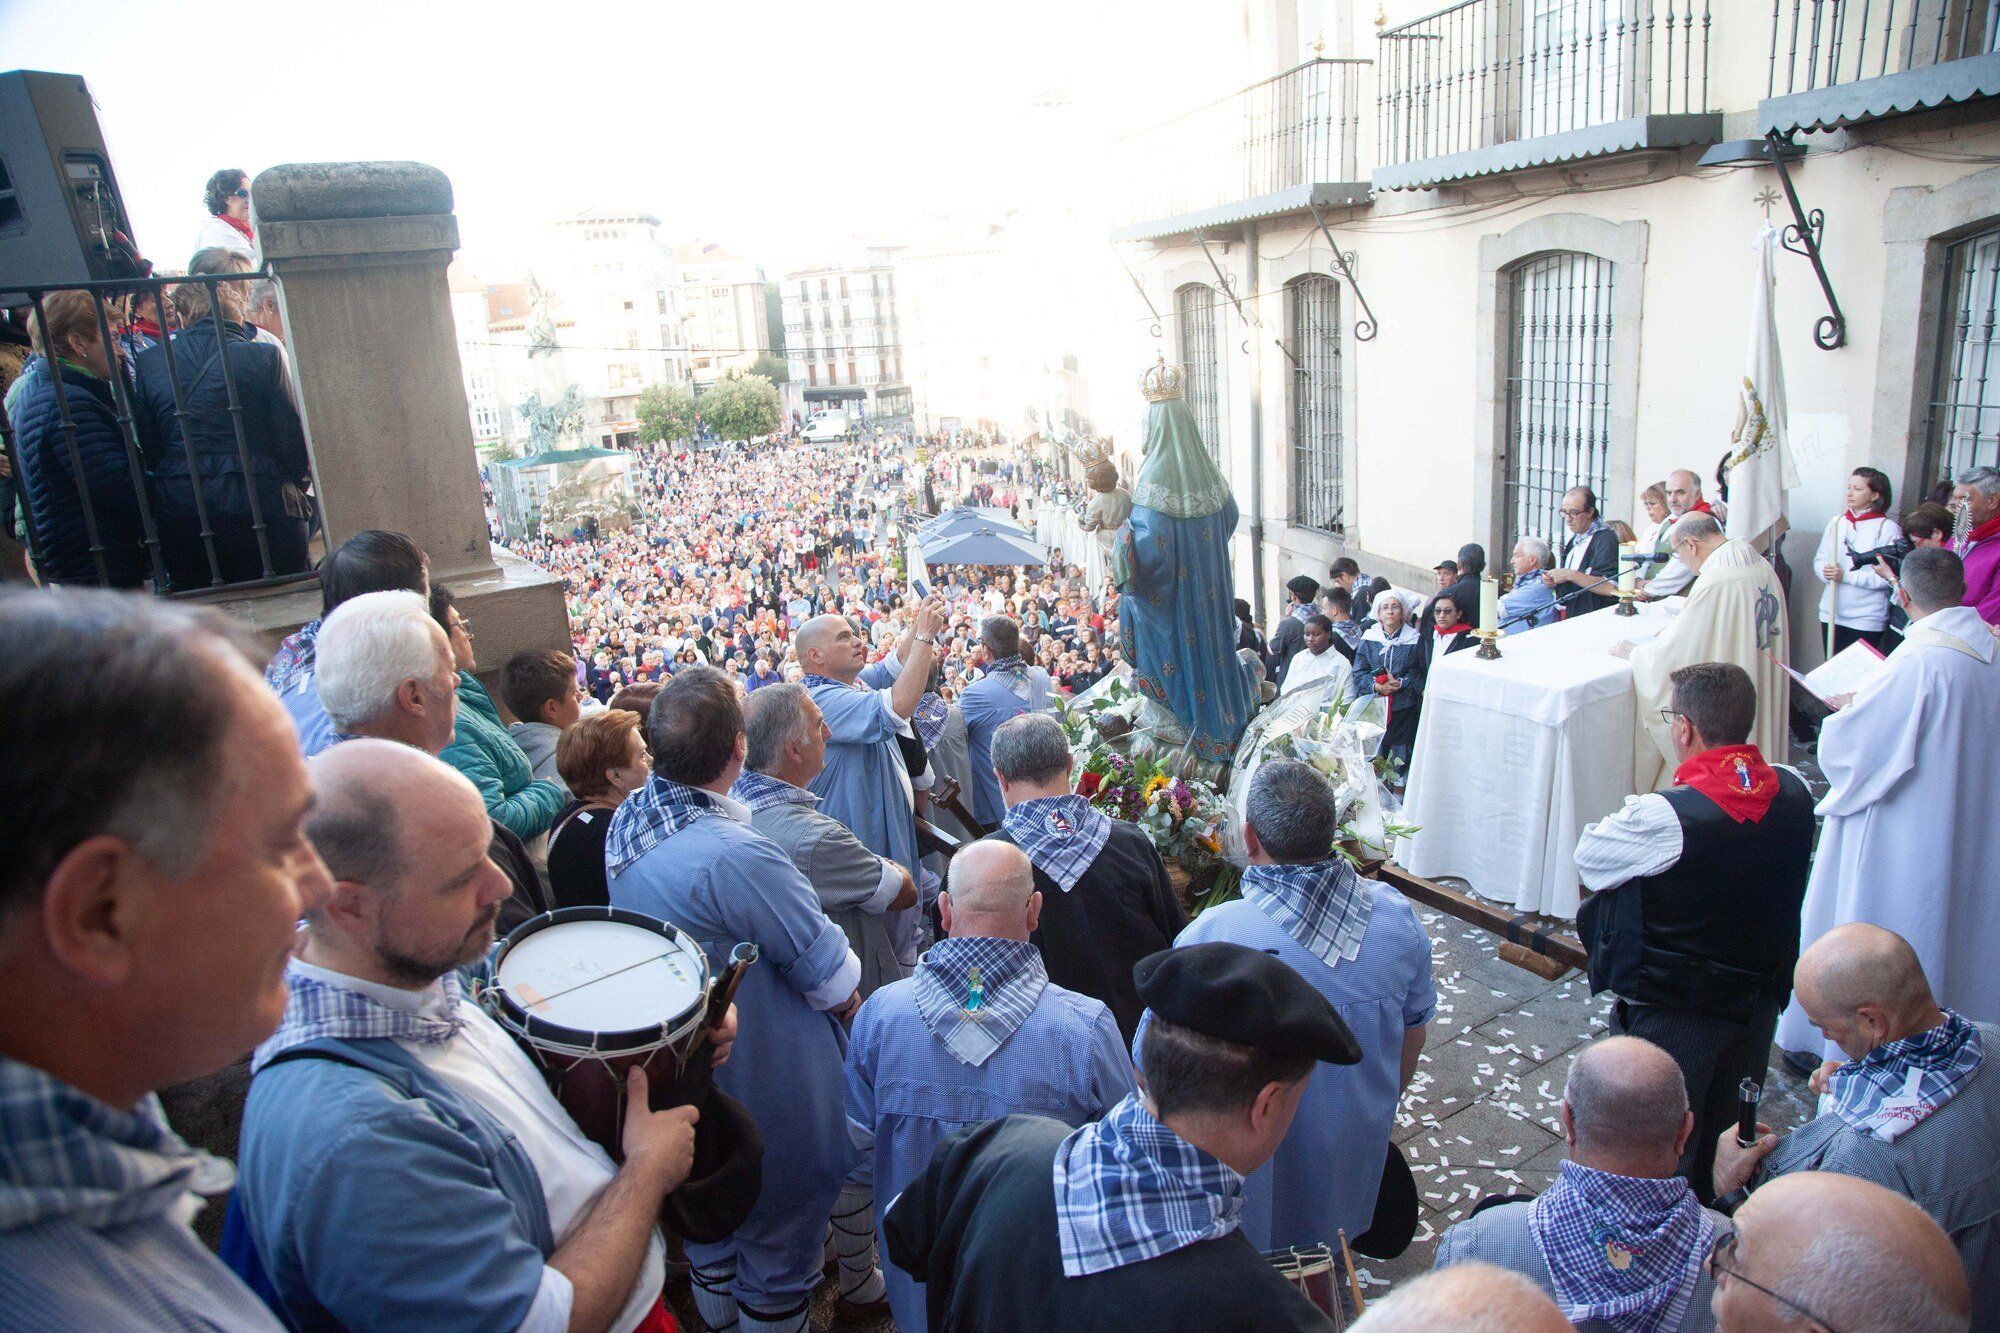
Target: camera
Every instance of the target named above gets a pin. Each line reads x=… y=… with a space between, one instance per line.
x=1893 y=552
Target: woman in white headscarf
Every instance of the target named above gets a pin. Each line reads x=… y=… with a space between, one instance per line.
x=1386 y=663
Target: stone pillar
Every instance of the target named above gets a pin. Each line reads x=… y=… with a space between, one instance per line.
x=360 y=250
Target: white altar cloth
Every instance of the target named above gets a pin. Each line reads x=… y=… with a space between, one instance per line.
x=1514 y=757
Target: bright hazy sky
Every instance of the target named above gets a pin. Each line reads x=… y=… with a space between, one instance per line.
x=778 y=127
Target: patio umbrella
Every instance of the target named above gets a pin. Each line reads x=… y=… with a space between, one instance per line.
x=983 y=546
x=953 y=522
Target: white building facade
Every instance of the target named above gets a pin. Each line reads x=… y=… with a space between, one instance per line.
x=843 y=336
x=620 y=291
x=1424 y=276
x=723 y=308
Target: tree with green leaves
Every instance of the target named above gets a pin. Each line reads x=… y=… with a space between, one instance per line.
x=666 y=412
x=772 y=369
x=740 y=406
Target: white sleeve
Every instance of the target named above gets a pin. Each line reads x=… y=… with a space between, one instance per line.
x=886 y=891
x=1824 y=556
x=1672 y=578
x=550 y=1312
x=1643 y=838
x=839 y=986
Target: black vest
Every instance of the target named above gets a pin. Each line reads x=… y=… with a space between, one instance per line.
x=1718 y=931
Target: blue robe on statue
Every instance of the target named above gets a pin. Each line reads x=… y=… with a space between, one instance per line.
x=1176 y=613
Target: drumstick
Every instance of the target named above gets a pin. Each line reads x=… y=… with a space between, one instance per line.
x=1353 y=1282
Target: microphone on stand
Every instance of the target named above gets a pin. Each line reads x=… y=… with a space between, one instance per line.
x=1563 y=600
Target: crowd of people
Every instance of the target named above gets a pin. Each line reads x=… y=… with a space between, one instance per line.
x=156 y=438
x=1010 y=1087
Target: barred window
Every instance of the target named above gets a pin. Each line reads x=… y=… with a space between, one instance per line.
x=1195 y=313
x=1962 y=429
x=1319 y=486
x=1558 y=388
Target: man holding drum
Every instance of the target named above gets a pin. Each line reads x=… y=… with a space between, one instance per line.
x=404 y=1163
x=683 y=850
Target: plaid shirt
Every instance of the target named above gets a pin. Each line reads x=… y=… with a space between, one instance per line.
x=1621 y=1249
x=1920 y=1072
x=1324 y=906
x=648 y=817
x=316 y=1010
x=294 y=657
x=1129 y=1189
x=1062 y=835
x=975 y=1022
x=760 y=791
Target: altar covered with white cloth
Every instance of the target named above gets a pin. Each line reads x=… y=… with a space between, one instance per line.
x=1514 y=757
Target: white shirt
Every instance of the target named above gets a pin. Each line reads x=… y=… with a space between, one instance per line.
x=483 y=1064
x=215 y=234
x=1307 y=666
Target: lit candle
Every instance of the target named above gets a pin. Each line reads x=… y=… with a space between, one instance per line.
x=1628 y=574
x=1489 y=604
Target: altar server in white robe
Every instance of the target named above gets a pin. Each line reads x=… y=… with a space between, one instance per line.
x=1915 y=787
x=1735 y=614
x=1318 y=660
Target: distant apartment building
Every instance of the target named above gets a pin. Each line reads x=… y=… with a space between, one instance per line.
x=483 y=363
x=619 y=289
x=722 y=299
x=843 y=339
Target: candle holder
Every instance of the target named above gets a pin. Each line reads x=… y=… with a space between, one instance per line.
x=1489 y=644
x=1625 y=607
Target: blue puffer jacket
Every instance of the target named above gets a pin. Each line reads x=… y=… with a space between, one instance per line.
x=275 y=440
x=48 y=481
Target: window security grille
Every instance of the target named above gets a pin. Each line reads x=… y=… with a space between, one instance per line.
x=1963 y=429
x=1195 y=308
x=1558 y=390
x=1319 y=487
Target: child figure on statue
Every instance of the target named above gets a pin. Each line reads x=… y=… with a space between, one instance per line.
x=1112 y=504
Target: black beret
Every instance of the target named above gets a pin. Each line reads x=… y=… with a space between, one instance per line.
x=1302 y=586
x=1245 y=997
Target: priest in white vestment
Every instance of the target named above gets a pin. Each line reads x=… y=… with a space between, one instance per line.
x=1907 y=843
x=1735 y=614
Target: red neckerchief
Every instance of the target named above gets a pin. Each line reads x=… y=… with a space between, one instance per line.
x=146 y=328
x=1990 y=528
x=1460 y=628
x=1699 y=507
x=1858 y=519
x=243 y=227
x=1735 y=777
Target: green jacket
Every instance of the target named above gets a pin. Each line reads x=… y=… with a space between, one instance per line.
x=482 y=750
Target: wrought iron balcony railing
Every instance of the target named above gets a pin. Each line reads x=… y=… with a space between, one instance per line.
x=1266 y=149
x=1580 y=77
x=1838 y=61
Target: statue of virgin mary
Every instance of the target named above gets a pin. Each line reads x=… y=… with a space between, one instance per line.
x=1176 y=601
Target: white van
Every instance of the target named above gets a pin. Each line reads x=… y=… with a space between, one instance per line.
x=826 y=427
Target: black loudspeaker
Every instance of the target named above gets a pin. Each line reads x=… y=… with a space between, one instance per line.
x=61 y=218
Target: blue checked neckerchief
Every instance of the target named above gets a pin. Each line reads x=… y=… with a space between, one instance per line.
x=648 y=817
x=928 y=721
x=1303 y=612
x=760 y=791
x=1324 y=906
x=65 y=1156
x=1016 y=672
x=316 y=1011
x=1062 y=835
x=1129 y=1189
x=1900 y=1084
x=294 y=657
x=1621 y=1249
x=973 y=991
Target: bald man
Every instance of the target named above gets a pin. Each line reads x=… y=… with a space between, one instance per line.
x=1619 y=1235
x=1468 y=1298
x=1915 y=1108
x=403 y=1163
x=1824 y=1251
x=865 y=783
x=978 y=1033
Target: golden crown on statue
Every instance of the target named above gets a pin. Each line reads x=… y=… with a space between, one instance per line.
x=1161 y=382
x=1089 y=453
